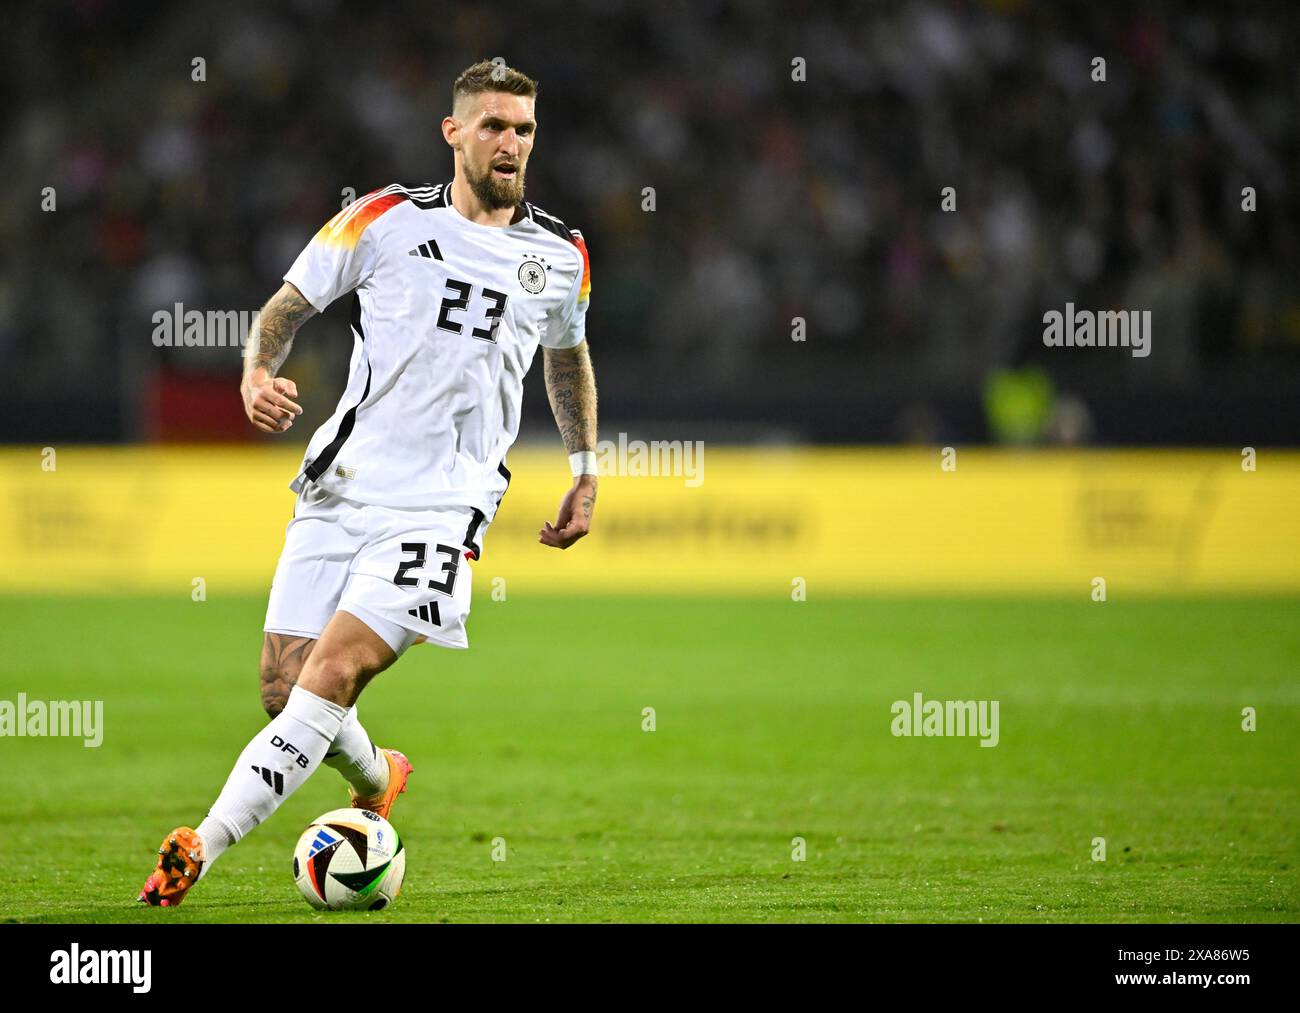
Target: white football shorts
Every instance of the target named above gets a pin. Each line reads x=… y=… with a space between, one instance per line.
x=404 y=572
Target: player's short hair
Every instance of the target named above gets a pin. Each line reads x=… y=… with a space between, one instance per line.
x=487 y=75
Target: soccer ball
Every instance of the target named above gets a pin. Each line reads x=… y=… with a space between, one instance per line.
x=349 y=860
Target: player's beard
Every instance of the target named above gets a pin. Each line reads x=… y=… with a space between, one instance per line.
x=494 y=192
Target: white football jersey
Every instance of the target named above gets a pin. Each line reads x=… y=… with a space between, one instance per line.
x=446 y=318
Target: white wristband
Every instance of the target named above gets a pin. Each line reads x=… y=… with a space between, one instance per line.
x=583 y=463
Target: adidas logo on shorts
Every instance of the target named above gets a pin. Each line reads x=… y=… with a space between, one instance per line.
x=427 y=612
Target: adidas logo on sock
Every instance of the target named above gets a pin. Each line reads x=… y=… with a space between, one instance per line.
x=273 y=778
x=428 y=612
x=428 y=250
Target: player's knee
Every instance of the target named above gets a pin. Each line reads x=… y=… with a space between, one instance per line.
x=333 y=676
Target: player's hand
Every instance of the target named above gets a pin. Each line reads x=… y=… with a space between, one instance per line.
x=574 y=520
x=268 y=402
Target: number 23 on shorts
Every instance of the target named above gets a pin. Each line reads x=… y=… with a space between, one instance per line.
x=420 y=551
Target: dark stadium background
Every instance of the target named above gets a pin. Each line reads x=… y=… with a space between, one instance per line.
x=775 y=199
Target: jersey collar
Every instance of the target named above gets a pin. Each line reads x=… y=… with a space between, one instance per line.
x=528 y=208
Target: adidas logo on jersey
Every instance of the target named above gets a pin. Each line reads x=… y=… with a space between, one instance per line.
x=427 y=612
x=429 y=250
x=273 y=778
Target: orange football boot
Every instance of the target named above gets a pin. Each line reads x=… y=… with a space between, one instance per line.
x=180 y=859
x=399 y=769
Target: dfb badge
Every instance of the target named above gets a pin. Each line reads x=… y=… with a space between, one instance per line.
x=532 y=276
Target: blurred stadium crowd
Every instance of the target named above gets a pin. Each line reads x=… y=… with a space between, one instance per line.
x=774 y=199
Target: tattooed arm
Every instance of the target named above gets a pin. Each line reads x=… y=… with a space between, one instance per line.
x=571 y=388
x=267 y=396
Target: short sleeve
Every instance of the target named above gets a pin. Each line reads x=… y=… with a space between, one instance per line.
x=567 y=326
x=341 y=256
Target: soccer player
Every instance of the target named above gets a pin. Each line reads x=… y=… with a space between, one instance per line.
x=454 y=287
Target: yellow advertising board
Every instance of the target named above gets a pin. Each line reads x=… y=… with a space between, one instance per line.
x=751 y=521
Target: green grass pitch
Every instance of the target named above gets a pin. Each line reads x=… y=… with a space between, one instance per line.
x=1119 y=720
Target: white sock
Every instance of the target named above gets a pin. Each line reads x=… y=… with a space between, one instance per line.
x=355 y=756
x=271 y=768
